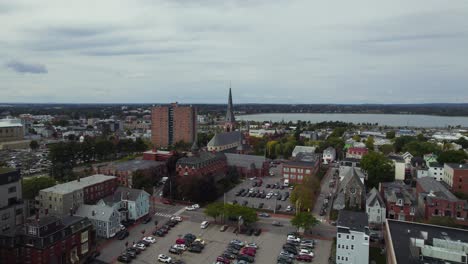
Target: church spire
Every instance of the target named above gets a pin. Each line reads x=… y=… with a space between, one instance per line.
x=230 y=111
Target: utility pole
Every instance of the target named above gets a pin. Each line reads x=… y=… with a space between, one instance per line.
x=276 y=201
x=224 y=209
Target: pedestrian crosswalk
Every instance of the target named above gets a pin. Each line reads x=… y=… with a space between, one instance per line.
x=163 y=215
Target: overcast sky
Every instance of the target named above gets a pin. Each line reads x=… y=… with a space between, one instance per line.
x=273 y=51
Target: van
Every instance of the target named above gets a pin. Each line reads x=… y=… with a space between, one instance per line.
x=286 y=183
x=204 y=224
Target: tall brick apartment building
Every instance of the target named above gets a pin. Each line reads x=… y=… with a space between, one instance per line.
x=171 y=124
x=456 y=176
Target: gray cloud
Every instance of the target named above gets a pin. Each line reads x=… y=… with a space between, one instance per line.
x=22 y=67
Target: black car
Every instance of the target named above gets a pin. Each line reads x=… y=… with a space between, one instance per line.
x=279 y=197
x=147 y=220
x=175 y=251
x=257 y=232
x=124 y=259
x=232 y=251
x=250 y=231
x=198 y=244
x=172 y=223
x=246 y=258
x=121 y=235
x=127 y=223
x=290 y=250
x=268 y=186
x=195 y=249
x=136 y=250
x=235 y=246
x=131 y=253
x=228 y=255
x=284 y=259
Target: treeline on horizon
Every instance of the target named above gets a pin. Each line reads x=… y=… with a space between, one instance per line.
x=106 y=110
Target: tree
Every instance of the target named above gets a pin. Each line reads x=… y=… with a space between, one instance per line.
x=214 y=210
x=390 y=135
x=463 y=142
x=442 y=221
x=421 y=137
x=32 y=186
x=418 y=148
x=142 y=181
x=304 y=195
x=386 y=149
x=378 y=169
x=452 y=156
x=33 y=145
x=304 y=220
x=370 y=143
x=400 y=142
x=357 y=138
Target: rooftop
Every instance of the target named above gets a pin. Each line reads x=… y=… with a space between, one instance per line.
x=225 y=138
x=458 y=166
x=10 y=123
x=133 y=165
x=434 y=188
x=245 y=161
x=413 y=241
x=77 y=185
x=356 y=221
x=201 y=158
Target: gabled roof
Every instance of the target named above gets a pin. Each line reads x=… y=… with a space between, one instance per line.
x=96 y=212
x=356 y=221
x=351 y=176
x=373 y=197
x=241 y=160
x=434 y=188
x=75 y=185
x=123 y=193
x=226 y=138
x=305 y=149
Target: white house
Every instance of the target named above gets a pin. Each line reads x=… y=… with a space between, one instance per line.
x=407 y=157
x=105 y=219
x=352 y=240
x=436 y=171
x=375 y=208
x=302 y=149
x=329 y=155
x=399 y=164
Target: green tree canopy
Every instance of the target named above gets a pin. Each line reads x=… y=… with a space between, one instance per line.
x=452 y=156
x=418 y=148
x=386 y=148
x=32 y=186
x=370 y=143
x=378 y=168
x=390 y=134
x=304 y=220
x=231 y=210
x=400 y=142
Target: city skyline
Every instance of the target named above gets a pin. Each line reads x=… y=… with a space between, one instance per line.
x=298 y=52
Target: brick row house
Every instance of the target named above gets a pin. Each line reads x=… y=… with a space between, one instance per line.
x=400 y=200
x=297 y=171
x=456 y=177
x=435 y=199
x=49 y=239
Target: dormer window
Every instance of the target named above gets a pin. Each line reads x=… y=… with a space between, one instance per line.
x=400 y=202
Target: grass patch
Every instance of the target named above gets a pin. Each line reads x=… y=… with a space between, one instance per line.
x=374 y=254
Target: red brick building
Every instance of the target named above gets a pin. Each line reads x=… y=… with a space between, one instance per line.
x=202 y=163
x=456 y=177
x=399 y=199
x=249 y=166
x=305 y=165
x=434 y=199
x=356 y=153
x=124 y=171
x=94 y=192
x=49 y=240
x=171 y=124
x=157 y=155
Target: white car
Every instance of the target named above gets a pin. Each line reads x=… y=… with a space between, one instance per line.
x=294 y=239
x=150 y=239
x=289 y=208
x=163 y=258
x=176 y=218
x=252 y=245
x=140 y=246
x=180 y=247
x=204 y=224
x=196 y=206
x=190 y=208
x=306 y=252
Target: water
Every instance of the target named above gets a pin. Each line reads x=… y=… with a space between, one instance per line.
x=381 y=119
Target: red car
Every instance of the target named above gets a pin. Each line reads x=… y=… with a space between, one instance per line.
x=248 y=252
x=223 y=260
x=305 y=258
x=180 y=241
x=167 y=202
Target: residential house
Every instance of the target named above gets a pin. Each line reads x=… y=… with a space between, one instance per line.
x=248 y=165
x=304 y=166
x=407 y=157
x=105 y=219
x=400 y=200
x=62 y=198
x=312 y=135
x=456 y=176
x=399 y=165
x=436 y=171
x=132 y=204
x=352 y=238
x=49 y=239
x=417 y=243
x=375 y=209
x=435 y=199
x=356 y=152
x=351 y=192
x=428 y=158
x=329 y=155
x=349 y=162
x=12 y=208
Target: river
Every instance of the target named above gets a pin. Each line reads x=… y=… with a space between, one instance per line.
x=382 y=119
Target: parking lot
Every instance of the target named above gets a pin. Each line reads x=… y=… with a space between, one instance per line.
x=254 y=202
x=270 y=244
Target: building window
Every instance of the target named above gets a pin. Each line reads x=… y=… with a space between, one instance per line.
x=339 y=235
x=347 y=236
x=352 y=237
x=346 y=258
x=366 y=238
x=84 y=248
x=346 y=247
x=12 y=189
x=352 y=247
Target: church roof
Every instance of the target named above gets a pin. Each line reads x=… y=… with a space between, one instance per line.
x=352 y=175
x=373 y=197
x=230 y=110
x=225 y=138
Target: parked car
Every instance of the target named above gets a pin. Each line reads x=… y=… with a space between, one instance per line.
x=121 y=235
x=228 y=255
x=277 y=223
x=264 y=215
x=176 y=219
x=305 y=258
x=257 y=232
x=284 y=259
x=124 y=258
x=149 y=239
x=195 y=249
x=204 y=224
x=164 y=258
x=247 y=258
x=175 y=251
x=180 y=246
x=180 y=241
x=252 y=245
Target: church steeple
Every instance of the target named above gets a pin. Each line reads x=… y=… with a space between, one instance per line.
x=230 y=119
